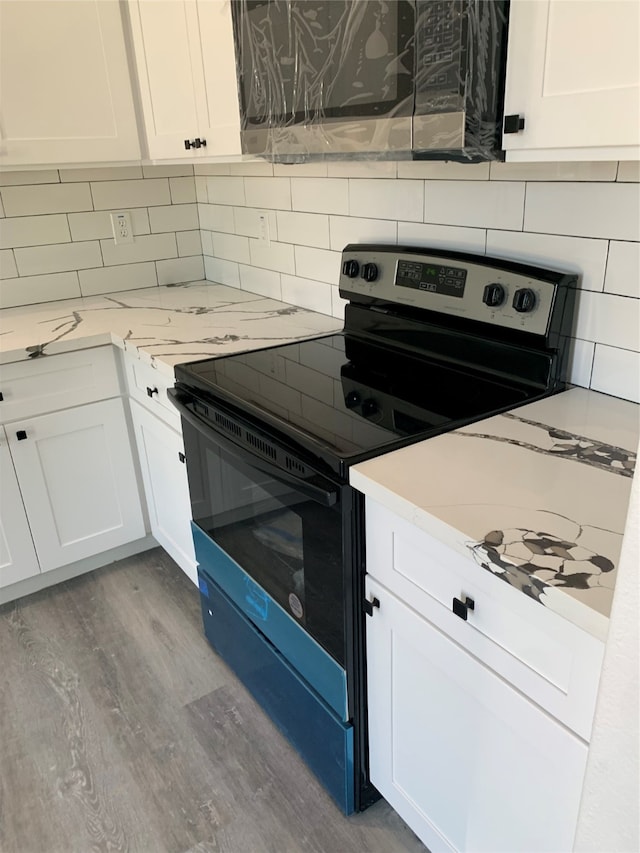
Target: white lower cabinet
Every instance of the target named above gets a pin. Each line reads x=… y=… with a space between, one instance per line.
x=466 y=760
x=164 y=474
x=77 y=479
x=17 y=555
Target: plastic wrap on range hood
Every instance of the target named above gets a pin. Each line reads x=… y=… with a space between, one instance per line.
x=433 y=69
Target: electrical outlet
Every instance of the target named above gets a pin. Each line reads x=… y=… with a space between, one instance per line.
x=264 y=237
x=122 y=229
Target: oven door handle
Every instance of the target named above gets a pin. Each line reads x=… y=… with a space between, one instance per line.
x=324 y=496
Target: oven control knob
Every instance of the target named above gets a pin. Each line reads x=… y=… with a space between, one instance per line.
x=369 y=272
x=524 y=300
x=494 y=295
x=351 y=268
x=369 y=407
x=352 y=399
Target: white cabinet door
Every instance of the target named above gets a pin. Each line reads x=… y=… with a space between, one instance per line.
x=467 y=761
x=17 y=555
x=573 y=73
x=77 y=478
x=166 y=489
x=186 y=71
x=66 y=89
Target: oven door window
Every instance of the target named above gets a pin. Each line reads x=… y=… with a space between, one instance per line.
x=289 y=544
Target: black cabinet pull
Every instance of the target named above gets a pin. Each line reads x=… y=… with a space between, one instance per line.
x=181 y=456
x=151 y=391
x=199 y=143
x=21 y=434
x=1 y=396
x=188 y=144
x=369 y=605
x=461 y=608
x=513 y=124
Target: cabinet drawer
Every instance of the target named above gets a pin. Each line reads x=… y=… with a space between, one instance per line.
x=149 y=387
x=548 y=658
x=52 y=383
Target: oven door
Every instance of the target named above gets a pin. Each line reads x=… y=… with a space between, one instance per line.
x=286 y=531
x=324 y=76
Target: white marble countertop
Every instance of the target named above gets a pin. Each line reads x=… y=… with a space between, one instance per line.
x=538 y=496
x=163 y=325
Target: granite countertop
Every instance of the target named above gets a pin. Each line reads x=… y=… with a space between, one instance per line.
x=538 y=496
x=163 y=325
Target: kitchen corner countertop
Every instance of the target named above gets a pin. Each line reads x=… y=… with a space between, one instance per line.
x=538 y=496
x=162 y=325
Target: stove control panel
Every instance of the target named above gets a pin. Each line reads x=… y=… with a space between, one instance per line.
x=489 y=290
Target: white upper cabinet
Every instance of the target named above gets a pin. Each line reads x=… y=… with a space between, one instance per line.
x=66 y=88
x=187 y=77
x=573 y=74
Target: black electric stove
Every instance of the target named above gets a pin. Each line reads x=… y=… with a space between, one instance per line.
x=432 y=340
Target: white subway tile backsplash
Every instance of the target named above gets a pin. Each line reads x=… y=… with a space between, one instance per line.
x=444 y=171
x=189 y=243
x=231 y=247
x=275 y=256
x=183 y=190
x=216 y=217
x=114 y=279
x=300 y=170
x=616 y=372
x=398 y=199
x=251 y=168
x=108 y=173
x=174 y=217
x=601 y=171
x=319 y=264
x=354 y=229
x=211 y=168
x=271 y=193
x=118 y=195
x=202 y=194
x=585 y=210
x=623 y=269
x=362 y=169
x=221 y=271
x=46 y=198
x=175 y=171
x=629 y=170
x=8 y=267
x=442 y=236
x=1 y=209
x=264 y=282
x=580 y=362
x=338 y=304
x=328 y=195
x=607 y=319
x=247 y=222
x=312 y=294
x=207 y=242
x=306 y=229
x=151 y=247
x=33 y=231
x=97 y=225
x=28 y=290
x=180 y=269
x=585 y=257
x=479 y=204
x=33 y=176
x=225 y=190
x=63 y=257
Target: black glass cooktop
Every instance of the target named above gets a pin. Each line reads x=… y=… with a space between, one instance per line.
x=345 y=398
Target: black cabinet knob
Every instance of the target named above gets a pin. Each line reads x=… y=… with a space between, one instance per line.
x=368 y=605
x=21 y=434
x=182 y=457
x=513 y=123
x=151 y=391
x=461 y=608
x=1 y=396
x=188 y=144
x=199 y=143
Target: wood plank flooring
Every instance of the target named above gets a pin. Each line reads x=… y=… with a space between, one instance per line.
x=121 y=730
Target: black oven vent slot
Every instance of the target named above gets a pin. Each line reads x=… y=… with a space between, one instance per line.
x=228 y=425
x=262 y=446
x=294 y=465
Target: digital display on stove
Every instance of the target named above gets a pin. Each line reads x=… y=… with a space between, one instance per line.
x=449 y=281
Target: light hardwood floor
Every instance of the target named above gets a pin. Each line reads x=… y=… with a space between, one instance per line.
x=121 y=730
